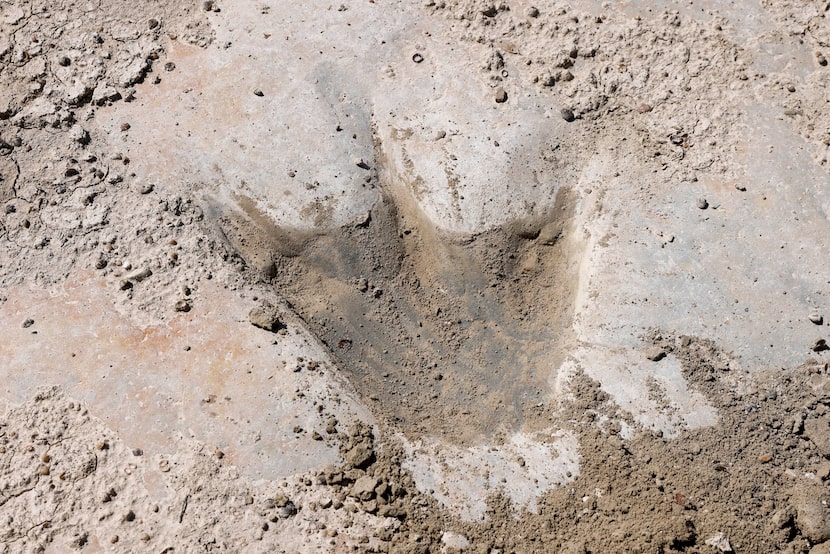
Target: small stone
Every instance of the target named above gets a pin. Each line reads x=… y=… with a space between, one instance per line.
x=258 y=92
x=207 y=5
x=719 y=542
x=655 y=354
x=361 y=164
x=28 y=323
x=316 y=436
x=532 y=11
x=152 y=23
x=287 y=511
x=813 y=515
x=298 y=429
x=64 y=61
x=740 y=187
x=364 y=488
x=490 y=11
x=782 y=518
x=819 y=345
x=169 y=66
x=129 y=516
x=360 y=455
x=265 y=317
x=331 y=425
x=125 y=126
x=765 y=458
x=182 y=306
x=501 y=95
x=455 y=541
x=139 y=275
x=43 y=470
x=146 y=188
x=702 y=203
x=568 y=114
x=816 y=318
x=644 y=108
x=417 y=58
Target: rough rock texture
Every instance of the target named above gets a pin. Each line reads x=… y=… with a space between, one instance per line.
x=414 y=277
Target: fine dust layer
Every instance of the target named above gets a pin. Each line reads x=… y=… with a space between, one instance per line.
x=449 y=336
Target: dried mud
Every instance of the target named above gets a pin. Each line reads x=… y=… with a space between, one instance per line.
x=447 y=335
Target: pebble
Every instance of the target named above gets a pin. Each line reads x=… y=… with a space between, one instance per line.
x=532 y=11
x=765 y=458
x=455 y=541
x=170 y=66
x=287 y=511
x=816 y=318
x=147 y=188
x=819 y=345
x=644 y=108
x=28 y=323
x=153 y=23
x=265 y=317
x=568 y=114
x=182 y=306
x=364 y=488
x=417 y=58
x=813 y=516
x=702 y=203
x=501 y=95
x=719 y=542
x=139 y=275
x=64 y=61
x=740 y=187
x=655 y=354
x=258 y=92
x=125 y=126
x=359 y=456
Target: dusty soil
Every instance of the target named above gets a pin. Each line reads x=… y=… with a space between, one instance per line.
x=443 y=335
